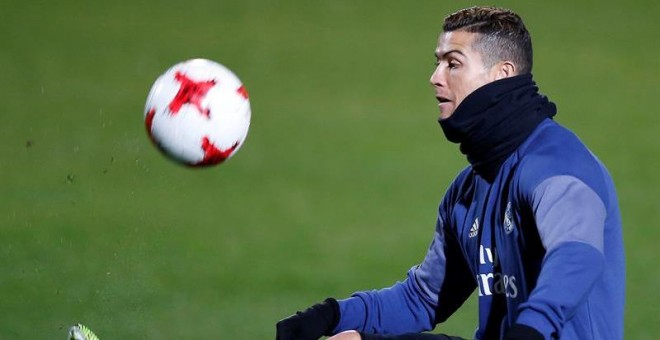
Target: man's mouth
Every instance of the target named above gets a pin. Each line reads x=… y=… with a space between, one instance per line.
x=442 y=100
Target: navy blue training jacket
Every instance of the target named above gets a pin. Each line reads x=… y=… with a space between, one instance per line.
x=541 y=244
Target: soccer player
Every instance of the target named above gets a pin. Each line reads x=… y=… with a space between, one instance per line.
x=532 y=225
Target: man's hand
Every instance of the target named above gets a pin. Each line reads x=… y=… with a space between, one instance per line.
x=310 y=324
x=347 y=335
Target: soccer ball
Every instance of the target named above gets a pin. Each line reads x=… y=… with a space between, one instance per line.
x=198 y=113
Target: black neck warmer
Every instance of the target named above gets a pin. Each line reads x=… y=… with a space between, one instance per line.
x=494 y=120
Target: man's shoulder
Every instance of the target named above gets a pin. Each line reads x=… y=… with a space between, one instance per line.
x=550 y=139
x=553 y=150
x=464 y=178
x=461 y=185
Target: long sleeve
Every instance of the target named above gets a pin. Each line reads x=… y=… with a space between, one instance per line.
x=431 y=292
x=570 y=218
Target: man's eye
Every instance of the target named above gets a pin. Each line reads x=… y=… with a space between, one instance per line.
x=452 y=65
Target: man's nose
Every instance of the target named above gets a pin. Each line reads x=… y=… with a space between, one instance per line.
x=436 y=78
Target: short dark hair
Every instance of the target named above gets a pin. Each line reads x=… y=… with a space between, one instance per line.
x=502 y=35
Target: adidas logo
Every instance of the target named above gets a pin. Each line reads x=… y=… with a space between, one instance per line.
x=474 y=230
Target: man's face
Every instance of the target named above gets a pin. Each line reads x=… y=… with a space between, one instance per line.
x=460 y=70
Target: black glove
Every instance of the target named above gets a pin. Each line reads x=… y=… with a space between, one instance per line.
x=310 y=324
x=523 y=332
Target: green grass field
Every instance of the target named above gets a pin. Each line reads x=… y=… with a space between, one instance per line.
x=336 y=187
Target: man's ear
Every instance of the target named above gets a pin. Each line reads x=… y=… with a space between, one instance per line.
x=504 y=69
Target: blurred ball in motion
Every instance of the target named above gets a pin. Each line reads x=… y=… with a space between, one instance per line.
x=198 y=113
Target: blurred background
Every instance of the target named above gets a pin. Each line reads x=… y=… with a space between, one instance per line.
x=336 y=187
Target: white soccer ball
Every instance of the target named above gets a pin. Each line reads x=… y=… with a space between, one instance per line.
x=198 y=113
